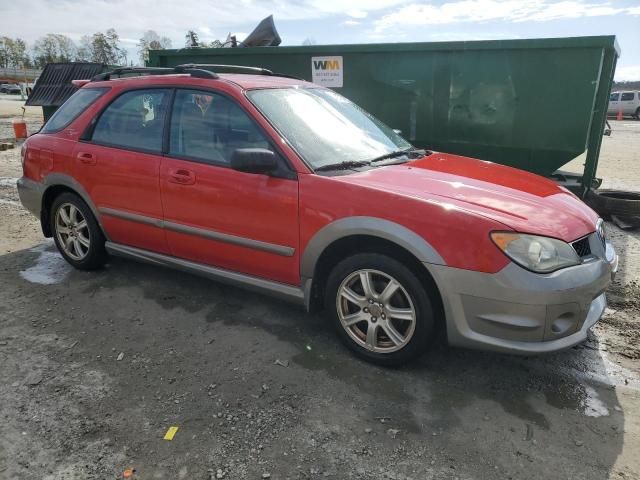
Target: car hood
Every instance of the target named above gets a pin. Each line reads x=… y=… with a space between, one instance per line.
x=519 y=200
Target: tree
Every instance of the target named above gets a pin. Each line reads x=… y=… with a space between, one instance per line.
x=309 y=41
x=19 y=55
x=151 y=41
x=192 y=40
x=53 y=47
x=13 y=53
x=102 y=48
x=83 y=54
x=6 y=46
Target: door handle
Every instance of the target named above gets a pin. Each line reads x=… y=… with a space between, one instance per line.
x=182 y=176
x=87 y=158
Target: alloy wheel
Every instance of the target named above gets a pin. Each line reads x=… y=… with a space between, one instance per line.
x=376 y=311
x=72 y=231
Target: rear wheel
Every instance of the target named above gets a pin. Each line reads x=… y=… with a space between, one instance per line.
x=77 y=233
x=380 y=308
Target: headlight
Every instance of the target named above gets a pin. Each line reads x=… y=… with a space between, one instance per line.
x=539 y=254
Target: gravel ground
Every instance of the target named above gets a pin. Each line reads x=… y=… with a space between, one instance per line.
x=97 y=366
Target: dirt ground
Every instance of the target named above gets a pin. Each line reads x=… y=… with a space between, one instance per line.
x=96 y=367
x=11 y=109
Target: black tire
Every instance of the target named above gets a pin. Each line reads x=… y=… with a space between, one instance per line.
x=96 y=256
x=423 y=330
x=614 y=202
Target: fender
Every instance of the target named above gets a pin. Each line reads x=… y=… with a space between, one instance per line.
x=375 y=227
x=62 y=179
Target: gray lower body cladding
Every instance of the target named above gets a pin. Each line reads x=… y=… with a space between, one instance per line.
x=512 y=311
x=520 y=312
x=31 y=193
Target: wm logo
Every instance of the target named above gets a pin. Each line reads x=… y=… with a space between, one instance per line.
x=326 y=64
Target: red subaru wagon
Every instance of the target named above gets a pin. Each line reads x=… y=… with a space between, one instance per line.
x=282 y=186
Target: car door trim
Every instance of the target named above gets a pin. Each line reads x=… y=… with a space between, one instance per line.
x=282 y=290
x=134 y=217
x=276 y=249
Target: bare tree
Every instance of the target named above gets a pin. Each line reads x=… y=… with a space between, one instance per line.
x=83 y=53
x=151 y=41
x=309 y=41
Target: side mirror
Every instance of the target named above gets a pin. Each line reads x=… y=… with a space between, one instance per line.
x=254 y=160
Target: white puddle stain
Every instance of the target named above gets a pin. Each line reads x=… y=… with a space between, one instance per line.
x=49 y=268
x=4 y=201
x=593 y=406
x=8 y=182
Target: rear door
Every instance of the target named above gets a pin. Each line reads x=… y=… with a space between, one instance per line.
x=119 y=167
x=218 y=216
x=627 y=103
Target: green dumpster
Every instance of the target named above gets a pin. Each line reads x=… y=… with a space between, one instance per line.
x=531 y=104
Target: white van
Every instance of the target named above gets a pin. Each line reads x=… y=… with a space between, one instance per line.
x=627 y=102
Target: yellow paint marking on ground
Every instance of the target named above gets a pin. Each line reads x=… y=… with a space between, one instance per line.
x=170 y=433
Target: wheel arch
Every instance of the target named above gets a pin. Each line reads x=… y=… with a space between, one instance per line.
x=358 y=234
x=56 y=184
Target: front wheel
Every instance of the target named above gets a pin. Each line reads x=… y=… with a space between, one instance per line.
x=380 y=308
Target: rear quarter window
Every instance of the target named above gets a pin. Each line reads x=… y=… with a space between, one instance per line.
x=74 y=106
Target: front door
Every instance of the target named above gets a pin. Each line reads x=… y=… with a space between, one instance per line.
x=218 y=216
x=119 y=168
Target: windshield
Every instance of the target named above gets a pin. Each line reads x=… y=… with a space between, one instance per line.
x=324 y=127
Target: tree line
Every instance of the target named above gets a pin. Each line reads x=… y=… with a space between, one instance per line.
x=101 y=47
x=54 y=47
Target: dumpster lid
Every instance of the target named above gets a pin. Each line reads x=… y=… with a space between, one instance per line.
x=54 y=86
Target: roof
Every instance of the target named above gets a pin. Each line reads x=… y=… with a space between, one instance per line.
x=54 y=85
x=262 y=81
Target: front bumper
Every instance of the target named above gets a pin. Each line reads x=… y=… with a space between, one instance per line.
x=520 y=312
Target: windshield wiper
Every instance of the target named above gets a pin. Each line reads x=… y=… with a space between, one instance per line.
x=343 y=165
x=417 y=152
x=398 y=153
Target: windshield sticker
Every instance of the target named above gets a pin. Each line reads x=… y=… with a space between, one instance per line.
x=327 y=71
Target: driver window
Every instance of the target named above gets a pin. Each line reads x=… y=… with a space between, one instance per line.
x=209 y=127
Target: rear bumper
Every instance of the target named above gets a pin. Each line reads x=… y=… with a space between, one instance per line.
x=520 y=312
x=31 y=193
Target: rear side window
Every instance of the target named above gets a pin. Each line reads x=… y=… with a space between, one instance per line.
x=134 y=120
x=627 y=96
x=73 y=107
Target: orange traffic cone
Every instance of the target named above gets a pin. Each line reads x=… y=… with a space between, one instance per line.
x=619 y=116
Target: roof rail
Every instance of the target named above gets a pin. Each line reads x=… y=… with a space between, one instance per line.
x=258 y=70
x=244 y=68
x=119 y=72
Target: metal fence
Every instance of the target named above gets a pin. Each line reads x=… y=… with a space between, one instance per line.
x=19 y=74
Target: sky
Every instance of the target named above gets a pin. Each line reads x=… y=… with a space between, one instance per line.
x=334 y=21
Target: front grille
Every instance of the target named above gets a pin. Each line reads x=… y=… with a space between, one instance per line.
x=582 y=247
